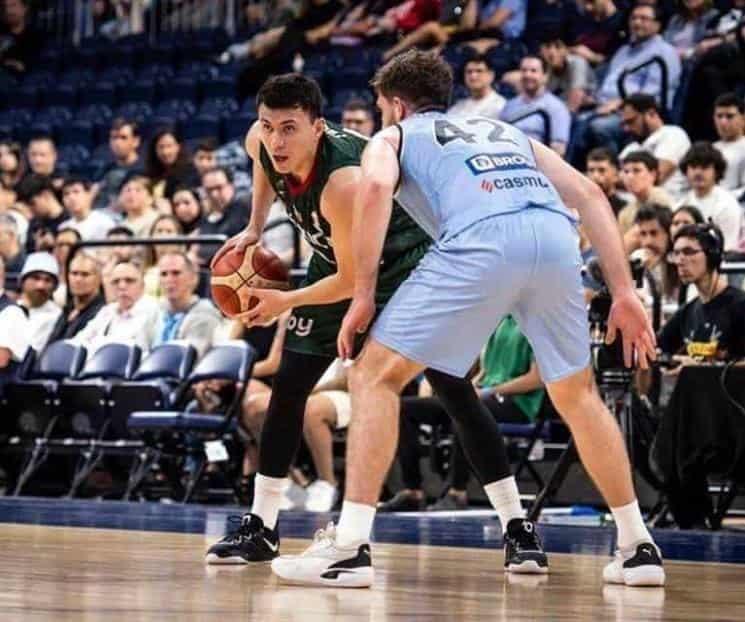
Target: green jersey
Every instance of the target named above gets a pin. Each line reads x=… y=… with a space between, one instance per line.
x=313 y=329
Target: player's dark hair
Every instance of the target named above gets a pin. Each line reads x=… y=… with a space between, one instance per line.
x=291 y=90
x=603 y=154
x=422 y=79
x=704 y=154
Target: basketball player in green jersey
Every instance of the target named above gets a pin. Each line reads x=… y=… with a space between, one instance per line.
x=314 y=167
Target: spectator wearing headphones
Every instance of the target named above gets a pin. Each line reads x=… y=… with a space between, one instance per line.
x=704 y=165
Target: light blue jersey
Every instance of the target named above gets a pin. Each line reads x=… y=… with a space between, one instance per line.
x=504 y=243
x=458 y=170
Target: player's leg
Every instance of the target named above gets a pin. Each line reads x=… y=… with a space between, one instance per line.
x=484 y=447
x=257 y=540
x=552 y=315
x=341 y=557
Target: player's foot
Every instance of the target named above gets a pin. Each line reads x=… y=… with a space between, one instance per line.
x=639 y=567
x=250 y=543
x=523 y=551
x=322 y=496
x=327 y=564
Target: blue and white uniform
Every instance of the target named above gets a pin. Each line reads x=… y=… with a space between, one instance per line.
x=504 y=243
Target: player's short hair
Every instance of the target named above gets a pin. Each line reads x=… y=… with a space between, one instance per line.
x=645 y=158
x=423 y=79
x=603 y=154
x=291 y=90
x=704 y=154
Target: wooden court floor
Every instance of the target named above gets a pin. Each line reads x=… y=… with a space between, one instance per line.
x=65 y=573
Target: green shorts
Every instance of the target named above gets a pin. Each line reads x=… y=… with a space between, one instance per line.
x=313 y=329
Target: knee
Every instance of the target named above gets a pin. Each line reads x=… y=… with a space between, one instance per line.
x=253 y=414
x=575 y=399
x=365 y=376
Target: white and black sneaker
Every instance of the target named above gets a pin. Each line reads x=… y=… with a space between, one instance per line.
x=327 y=564
x=523 y=551
x=251 y=542
x=641 y=567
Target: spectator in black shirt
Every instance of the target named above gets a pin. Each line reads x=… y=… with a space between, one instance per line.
x=124 y=142
x=19 y=41
x=48 y=214
x=168 y=164
x=85 y=297
x=712 y=326
x=227 y=214
x=603 y=169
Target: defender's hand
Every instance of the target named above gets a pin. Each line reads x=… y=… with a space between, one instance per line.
x=627 y=315
x=357 y=320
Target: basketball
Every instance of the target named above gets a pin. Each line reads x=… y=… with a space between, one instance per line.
x=234 y=272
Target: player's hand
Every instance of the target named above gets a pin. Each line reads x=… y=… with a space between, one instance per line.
x=272 y=303
x=358 y=318
x=244 y=239
x=627 y=315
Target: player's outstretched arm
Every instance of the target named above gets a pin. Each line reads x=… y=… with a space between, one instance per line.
x=262 y=194
x=627 y=313
x=372 y=213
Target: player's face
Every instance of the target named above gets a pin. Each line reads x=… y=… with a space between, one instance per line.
x=290 y=136
x=730 y=122
x=391 y=110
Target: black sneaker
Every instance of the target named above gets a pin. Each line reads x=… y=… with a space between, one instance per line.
x=523 y=552
x=641 y=567
x=251 y=542
x=402 y=501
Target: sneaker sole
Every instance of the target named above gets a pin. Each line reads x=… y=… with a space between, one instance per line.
x=644 y=576
x=362 y=578
x=214 y=560
x=527 y=567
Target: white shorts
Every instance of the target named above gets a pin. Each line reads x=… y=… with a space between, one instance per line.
x=342 y=405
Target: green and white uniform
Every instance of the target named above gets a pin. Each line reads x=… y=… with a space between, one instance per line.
x=313 y=329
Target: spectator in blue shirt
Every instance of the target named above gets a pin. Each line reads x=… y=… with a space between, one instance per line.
x=551 y=127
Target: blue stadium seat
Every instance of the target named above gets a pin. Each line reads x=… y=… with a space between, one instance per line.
x=79 y=77
x=73 y=157
x=100 y=93
x=61 y=95
x=175 y=109
x=219 y=86
x=167 y=432
x=13 y=122
x=139 y=111
x=24 y=96
x=118 y=76
x=201 y=126
x=184 y=88
x=156 y=71
x=142 y=89
x=41 y=79
x=236 y=126
x=219 y=107
x=76 y=133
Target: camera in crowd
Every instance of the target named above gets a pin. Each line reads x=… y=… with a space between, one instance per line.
x=606 y=357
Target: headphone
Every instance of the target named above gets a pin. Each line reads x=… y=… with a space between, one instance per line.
x=711 y=239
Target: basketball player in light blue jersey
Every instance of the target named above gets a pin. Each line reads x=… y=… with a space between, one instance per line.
x=495 y=202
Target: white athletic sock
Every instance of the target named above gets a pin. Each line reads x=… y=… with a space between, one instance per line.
x=355 y=523
x=267 y=497
x=505 y=499
x=630 y=525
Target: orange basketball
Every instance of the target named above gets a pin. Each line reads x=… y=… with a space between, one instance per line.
x=233 y=272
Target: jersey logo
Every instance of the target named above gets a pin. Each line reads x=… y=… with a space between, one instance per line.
x=301 y=327
x=490 y=162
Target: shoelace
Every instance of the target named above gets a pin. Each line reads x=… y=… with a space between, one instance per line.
x=323 y=538
x=240 y=530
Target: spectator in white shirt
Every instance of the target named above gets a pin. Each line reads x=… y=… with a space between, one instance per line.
x=704 y=166
x=39 y=279
x=729 y=119
x=183 y=315
x=14 y=334
x=128 y=318
x=640 y=117
x=482 y=100
x=77 y=198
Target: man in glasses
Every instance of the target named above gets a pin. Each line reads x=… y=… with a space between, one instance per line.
x=127 y=318
x=710 y=328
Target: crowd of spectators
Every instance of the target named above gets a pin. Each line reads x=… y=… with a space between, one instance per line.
x=645 y=96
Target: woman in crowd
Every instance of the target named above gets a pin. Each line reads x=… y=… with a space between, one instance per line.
x=165 y=226
x=169 y=164
x=12 y=167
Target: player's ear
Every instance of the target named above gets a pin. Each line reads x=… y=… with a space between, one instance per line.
x=319 y=126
